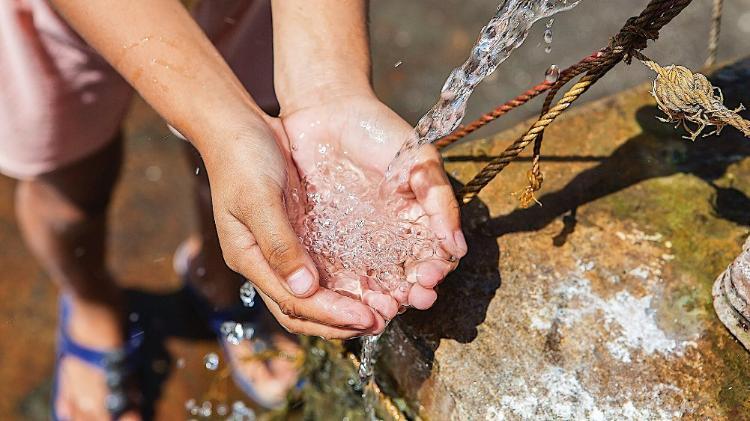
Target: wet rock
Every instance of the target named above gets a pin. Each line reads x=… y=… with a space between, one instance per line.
x=597 y=304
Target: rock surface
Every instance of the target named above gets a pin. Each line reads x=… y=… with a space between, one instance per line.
x=596 y=305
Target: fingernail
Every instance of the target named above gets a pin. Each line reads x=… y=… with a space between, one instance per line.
x=300 y=281
x=357 y=320
x=460 y=240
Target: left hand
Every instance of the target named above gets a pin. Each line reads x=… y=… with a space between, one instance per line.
x=370 y=134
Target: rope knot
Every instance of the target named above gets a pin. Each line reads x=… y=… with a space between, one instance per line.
x=687 y=97
x=536 y=178
x=632 y=38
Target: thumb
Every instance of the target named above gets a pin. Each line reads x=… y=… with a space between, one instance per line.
x=269 y=222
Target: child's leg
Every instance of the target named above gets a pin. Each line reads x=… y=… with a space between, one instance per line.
x=62 y=216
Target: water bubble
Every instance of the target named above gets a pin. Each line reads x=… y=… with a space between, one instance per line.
x=548 y=49
x=222 y=409
x=548 y=36
x=206 y=409
x=211 y=361
x=240 y=412
x=247 y=294
x=233 y=332
x=180 y=363
x=552 y=74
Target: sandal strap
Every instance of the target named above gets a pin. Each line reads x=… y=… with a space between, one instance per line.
x=116 y=363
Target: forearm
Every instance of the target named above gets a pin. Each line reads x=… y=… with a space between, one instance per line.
x=157 y=46
x=321 y=49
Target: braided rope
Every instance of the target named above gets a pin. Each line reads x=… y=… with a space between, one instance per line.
x=565 y=76
x=713 y=37
x=488 y=173
x=491 y=116
x=632 y=38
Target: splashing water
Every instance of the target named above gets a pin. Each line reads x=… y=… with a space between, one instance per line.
x=211 y=361
x=505 y=32
x=235 y=333
x=359 y=245
x=247 y=294
x=367 y=360
x=356 y=229
x=359 y=235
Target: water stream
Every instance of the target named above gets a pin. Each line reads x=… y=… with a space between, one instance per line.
x=353 y=226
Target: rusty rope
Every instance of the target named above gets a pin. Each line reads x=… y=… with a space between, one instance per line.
x=565 y=75
x=713 y=37
x=487 y=118
x=633 y=37
x=471 y=189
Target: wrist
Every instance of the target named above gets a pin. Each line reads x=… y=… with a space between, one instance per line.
x=216 y=135
x=327 y=86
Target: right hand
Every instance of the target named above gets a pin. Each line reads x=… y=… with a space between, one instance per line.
x=250 y=173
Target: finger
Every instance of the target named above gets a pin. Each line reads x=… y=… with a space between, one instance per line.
x=266 y=217
x=310 y=328
x=422 y=298
x=434 y=193
x=429 y=273
x=382 y=303
x=324 y=306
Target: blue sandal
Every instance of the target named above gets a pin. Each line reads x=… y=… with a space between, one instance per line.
x=117 y=364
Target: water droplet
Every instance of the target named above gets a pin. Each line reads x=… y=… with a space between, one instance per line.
x=548 y=49
x=241 y=412
x=197 y=170
x=552 y=74
x=233 y=332
x=206 y=409
x=247 y=294
x=211 y=361
x=548 y=36
x=398 y=63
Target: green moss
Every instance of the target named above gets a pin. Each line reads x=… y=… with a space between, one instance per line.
x=680 y=208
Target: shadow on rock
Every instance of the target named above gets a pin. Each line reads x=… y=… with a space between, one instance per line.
x=408 y=350
x=659 y=151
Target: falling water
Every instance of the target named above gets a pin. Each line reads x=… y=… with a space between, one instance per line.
x=353 y=228
x=505 y=32
x=366 y=371
x=548 y=35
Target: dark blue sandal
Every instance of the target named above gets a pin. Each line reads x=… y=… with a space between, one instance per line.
x=117 y=364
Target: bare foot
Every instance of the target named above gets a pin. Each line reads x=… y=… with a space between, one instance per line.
x=268 y=363
x=82 y=388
